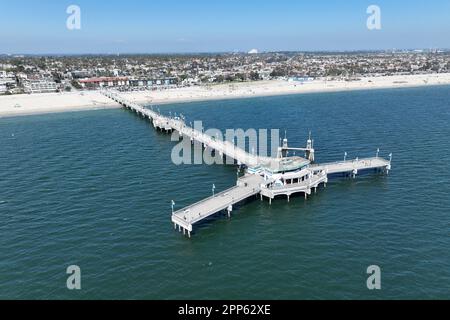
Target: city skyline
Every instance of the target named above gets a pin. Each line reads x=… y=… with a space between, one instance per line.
x=140 y=27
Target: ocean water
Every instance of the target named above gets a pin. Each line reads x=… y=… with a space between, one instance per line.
x=94 y=189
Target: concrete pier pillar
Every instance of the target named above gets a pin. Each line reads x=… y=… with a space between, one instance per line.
x=189 y=234
x=306 y=196
x=229 y=210
x=270 y=201
x=175 y=226
x=288 y=198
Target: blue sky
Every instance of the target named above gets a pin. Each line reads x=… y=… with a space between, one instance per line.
x=138 y=26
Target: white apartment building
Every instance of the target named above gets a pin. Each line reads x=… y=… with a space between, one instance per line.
x=39 y=86
x=7 y=81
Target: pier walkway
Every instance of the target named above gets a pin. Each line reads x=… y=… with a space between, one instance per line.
x=248 y=186
x=168 y=124
x=352 y=166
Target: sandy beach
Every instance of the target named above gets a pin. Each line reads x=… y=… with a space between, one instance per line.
x=31 y=104
x=18 y=105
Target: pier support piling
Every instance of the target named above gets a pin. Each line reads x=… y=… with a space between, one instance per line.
x=229 y=210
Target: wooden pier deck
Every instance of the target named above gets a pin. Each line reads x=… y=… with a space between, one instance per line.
x=246 y=187
x=352 y=166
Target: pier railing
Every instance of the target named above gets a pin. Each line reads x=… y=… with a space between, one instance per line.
x=181 y=211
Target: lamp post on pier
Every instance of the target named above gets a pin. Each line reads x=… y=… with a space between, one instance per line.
x=345 y=156
x=173 y=205
x=213 y=189
x=378 y=152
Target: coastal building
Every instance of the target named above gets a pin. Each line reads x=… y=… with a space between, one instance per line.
x=109 y=82
x=39 y=86
x=300 y=79
x=265 y=74
x=7 y=81
x=7 y=75
x=80 y=74
x=193 y=81
x=153 y=82
x=102 y=82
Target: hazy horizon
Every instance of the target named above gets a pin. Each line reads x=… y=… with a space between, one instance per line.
x=62 y=54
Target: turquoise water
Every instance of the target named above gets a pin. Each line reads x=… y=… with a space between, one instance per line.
x=94 y=189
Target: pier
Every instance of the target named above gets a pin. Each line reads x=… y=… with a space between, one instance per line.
x=353 y=167
x=246 y=187
x=169 y=124
x=265 y=177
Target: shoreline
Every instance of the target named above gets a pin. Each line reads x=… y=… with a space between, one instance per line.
x=56 y=111
x=48 y=103
x=35 y=104
x=280 y=94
